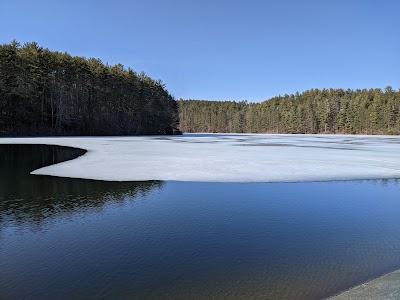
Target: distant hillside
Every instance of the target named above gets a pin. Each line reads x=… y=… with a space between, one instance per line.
x=370 y=111
x=43 y=92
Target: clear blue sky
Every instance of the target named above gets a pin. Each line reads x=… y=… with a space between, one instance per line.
x=223 y=50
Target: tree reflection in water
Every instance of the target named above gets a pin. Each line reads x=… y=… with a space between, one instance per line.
x=31 y=199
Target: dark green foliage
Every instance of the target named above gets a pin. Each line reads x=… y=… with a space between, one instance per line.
x=315 y=111
x=51 y=93
x=211 y=116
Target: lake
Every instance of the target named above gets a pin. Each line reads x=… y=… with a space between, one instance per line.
x=75 y=238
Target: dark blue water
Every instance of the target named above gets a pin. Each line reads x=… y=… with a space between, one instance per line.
x=71 y=238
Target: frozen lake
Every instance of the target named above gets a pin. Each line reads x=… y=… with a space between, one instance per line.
x=74 y=238
x=227 y=158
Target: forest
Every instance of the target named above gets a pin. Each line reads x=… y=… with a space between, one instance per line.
x=45 y=92
x=371 y=111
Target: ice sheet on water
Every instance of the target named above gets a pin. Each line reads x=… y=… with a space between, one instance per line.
x=227 y=158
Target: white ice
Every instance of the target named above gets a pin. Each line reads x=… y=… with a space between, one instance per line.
x=227 y=158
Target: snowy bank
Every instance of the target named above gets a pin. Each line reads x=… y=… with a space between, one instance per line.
x=227 y=158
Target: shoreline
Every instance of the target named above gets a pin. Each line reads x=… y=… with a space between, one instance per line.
x=386 y=286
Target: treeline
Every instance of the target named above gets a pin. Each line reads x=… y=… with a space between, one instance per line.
x=364 y=111
x=43 y=92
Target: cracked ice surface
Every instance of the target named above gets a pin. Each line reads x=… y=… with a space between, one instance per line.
x=227 y=158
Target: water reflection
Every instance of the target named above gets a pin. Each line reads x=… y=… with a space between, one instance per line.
x=32 y=199
x=188 y=240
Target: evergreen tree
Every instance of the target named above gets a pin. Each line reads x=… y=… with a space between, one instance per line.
x=51 y=93
x=314 y=111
